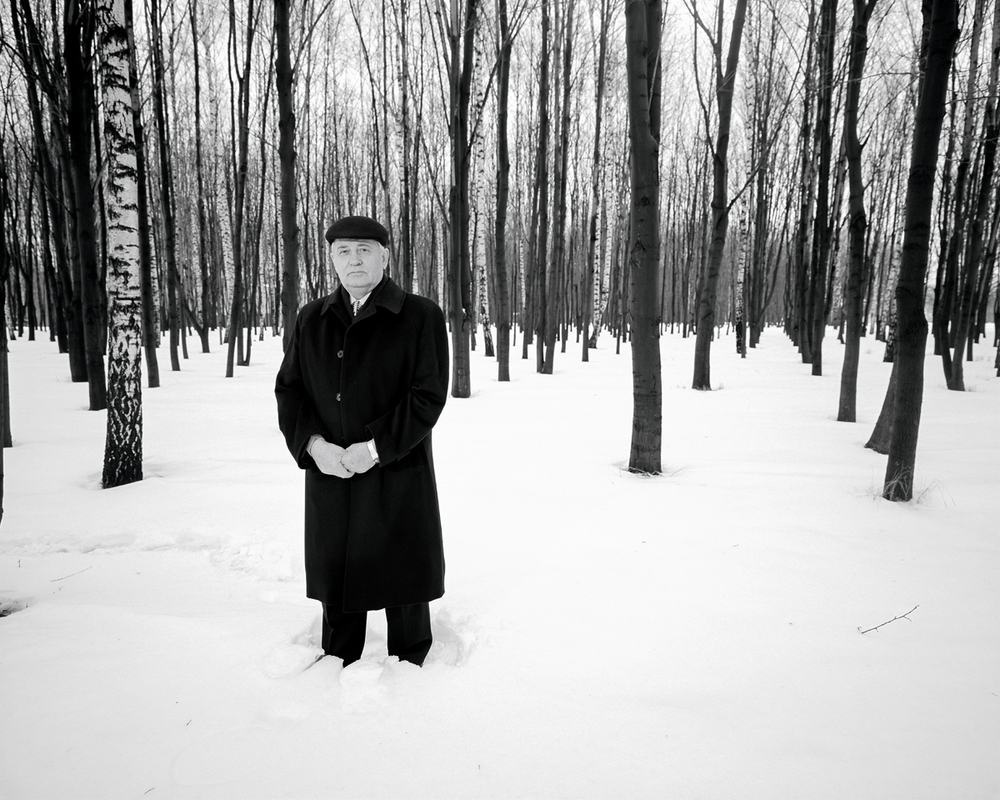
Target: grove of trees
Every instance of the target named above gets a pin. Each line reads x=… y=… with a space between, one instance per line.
x=549 y=170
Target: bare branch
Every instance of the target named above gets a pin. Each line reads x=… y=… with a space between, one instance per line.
x=905 y=616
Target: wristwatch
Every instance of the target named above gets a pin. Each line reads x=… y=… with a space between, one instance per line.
x=372 y=450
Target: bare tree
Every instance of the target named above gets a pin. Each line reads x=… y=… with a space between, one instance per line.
x=600 y=81
x=725 y=83
x=642 y=24
x=460 y=36
x=286 y=156
x=858 y=221
x=912 y=324
x=123 y=446
x=166 y=183
x=78 y=35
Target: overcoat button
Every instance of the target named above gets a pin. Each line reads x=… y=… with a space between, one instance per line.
x=338 y=397
x=340 y=354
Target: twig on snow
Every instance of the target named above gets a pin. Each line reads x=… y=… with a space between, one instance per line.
x=64 y=577
x=905 y=616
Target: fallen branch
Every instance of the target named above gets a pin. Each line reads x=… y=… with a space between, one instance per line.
x=905 y=616
x=64 y=577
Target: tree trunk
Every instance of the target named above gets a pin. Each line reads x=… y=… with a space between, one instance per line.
x=241 y=147
x=945 y=306
x=970 y=294
x=286 y=156
x=589 y=289
x=461 y=38
x=858 y=228
x=166 y=184
x=149 y=327
x=541 y=268
x=822 y=238
x=725 y=87
x=207 y=298
x=78 y=32
x=123 y=447
x=642 y=24
x=554 y=288
x=506 y=45
x=910 y=319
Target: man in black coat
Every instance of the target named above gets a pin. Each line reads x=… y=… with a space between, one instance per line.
x=363 y=381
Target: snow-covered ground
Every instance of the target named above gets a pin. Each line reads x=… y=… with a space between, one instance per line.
x=693 y=635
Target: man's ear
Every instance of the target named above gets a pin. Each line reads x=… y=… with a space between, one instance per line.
x=385 y=256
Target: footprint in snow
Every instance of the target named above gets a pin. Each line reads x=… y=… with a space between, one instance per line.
x=360 y=686
x=290 y=658
x=455 y=637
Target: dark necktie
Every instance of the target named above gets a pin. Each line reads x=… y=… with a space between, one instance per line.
x=355 y=306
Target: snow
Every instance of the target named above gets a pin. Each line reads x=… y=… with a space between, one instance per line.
x=692 y=635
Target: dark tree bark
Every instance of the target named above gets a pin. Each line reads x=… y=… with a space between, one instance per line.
x=954 y=236
x=560 y=159
x=204 y=254
x=970 y=294
x=910 y=319
x=503 y=314
x=166 y=184
x=725 y=88
x=642 y=25
x=540 y=229
x=823 y=236
x=284 y=79
x=5 y=431
x=78 y=36
x=241 y=156
x=69 y=322
x=149 y=328
x=853 y=300
x=461 y=35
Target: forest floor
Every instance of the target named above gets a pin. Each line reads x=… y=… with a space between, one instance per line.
x=692 y=635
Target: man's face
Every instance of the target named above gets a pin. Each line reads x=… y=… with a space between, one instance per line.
x=359 y=264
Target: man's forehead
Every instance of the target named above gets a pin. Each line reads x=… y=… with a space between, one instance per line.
x=335 y=242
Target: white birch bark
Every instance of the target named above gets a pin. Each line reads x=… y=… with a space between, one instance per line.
x=742 y=246
x=123 y=448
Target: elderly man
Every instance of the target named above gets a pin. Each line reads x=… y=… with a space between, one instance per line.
x=362 y=383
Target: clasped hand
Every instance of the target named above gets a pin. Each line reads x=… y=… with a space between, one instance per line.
x=332 y=459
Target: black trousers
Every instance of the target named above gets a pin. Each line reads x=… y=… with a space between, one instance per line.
x=409 y=632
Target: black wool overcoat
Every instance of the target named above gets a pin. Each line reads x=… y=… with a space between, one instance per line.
x=372 y=540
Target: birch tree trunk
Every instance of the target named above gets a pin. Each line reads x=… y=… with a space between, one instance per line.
x=123 y=445
x=910 y=319
x=589 y=289
x=642 y=26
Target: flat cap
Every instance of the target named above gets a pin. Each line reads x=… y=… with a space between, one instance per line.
x=357 y=228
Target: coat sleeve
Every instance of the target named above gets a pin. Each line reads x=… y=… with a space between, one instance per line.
x=405 y=426
x=297 y=417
